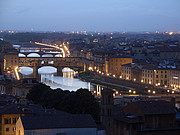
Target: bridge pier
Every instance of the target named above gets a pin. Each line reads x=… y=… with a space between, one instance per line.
x=59 y=71
x=35 y=70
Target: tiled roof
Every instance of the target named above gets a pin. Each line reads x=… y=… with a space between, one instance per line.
x=141 y=108
x=119 y=56
x=58 y=121
x=119 y=114
x=168 y=49
x=155 y=107
x=29 y=109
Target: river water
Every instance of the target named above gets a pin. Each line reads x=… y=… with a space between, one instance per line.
x=48 y=76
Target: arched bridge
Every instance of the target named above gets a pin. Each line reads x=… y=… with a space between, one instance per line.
x=42 y=53
x=57 y=62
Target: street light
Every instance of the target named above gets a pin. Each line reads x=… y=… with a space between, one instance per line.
x=134 y=92
x=90 y=68
x=172 y=92
x=130 y=91
x=149 y=91
x=154 y=92
x=116 y=92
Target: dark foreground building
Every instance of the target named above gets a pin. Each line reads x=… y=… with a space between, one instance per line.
x=139 y=118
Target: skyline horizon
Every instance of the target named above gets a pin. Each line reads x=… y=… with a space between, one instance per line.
x=75 y=31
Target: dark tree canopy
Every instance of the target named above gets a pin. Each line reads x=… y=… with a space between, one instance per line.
x=79 y=102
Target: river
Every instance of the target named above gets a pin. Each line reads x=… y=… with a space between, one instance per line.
x=48 y=76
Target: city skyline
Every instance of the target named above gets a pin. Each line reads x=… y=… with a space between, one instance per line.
x=124 y=15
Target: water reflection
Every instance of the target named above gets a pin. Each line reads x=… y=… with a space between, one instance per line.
x=48 y=77
x=71 y=84
x=69 y=73
x=98 y=90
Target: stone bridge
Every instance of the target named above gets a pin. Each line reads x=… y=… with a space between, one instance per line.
x=57 y=62
x=41 y=53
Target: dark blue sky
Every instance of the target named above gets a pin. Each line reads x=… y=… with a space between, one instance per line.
x=90 y=15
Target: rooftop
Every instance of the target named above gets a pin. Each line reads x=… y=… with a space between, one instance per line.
x=58 y=121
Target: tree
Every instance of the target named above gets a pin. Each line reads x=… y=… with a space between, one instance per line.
x=79 y=102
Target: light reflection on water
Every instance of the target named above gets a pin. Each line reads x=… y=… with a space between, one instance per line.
x=47 y=75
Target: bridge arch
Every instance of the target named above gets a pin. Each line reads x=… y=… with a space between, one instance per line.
x=47 y=69
x=33 y=55
x=21 y=55
x=26 y=70
x=47 y=55
x=58 y=55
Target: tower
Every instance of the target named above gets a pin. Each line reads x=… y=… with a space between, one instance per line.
x=107 y=103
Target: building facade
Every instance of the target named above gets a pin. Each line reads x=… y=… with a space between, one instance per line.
x=114 y=64
x=174 y=76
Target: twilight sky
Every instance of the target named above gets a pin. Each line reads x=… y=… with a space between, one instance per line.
x=90 y=15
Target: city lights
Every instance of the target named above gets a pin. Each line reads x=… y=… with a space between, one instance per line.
x=90 y=68
x=16 y=72
x=117 y=61
x=170 y=33
x=67 y=50
x=52 y=46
